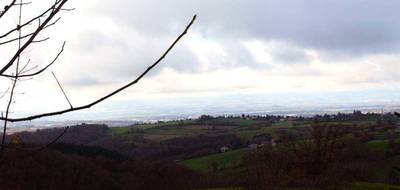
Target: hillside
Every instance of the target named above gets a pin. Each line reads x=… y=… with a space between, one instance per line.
x=226 y=151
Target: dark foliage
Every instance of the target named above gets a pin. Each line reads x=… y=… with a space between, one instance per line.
x=87 y=151
x=329 y=159
x=79 y=135
x=23 y=169
x=185 y=148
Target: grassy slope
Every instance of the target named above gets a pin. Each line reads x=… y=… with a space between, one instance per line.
x=226 y=188
x=224 y=160
x=365 y=186
x=373 y=186
x=123 y=130
x=354 y=186
x=246 y=129
x=380 y=144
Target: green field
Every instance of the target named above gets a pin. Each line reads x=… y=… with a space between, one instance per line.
x=372 y=186
x=380 y=144
x=354 y=186
x=244 y=128
x=226 y=188
x=223 y=160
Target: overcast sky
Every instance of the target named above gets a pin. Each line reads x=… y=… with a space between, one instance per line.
x=246 y=47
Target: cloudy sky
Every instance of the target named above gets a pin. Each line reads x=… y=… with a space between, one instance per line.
x=236 y=50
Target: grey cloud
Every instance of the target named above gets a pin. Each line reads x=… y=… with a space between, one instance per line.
x=350 y=27
x=116 y=59
x=289 y=54
x=336 y=28
x=84 y=80
x=238 y=55
x=291 y=57
x=89 y=41
x=126 y=60
x=183 y=60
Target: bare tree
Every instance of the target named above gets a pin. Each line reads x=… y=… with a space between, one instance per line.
x=26 y=36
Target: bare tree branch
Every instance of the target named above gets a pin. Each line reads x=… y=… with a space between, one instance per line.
x=24 y=67
x=110 y=94
x=11 y=99
x=57 y=138
x=15 y=39
x=42 y=40
x=41 y=70
x=4 y=93
x=32 y=38
x=62 y=90
x=30 y=34
x=30 y=21
x=7 y=8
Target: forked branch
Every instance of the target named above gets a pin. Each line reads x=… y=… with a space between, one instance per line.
x=110 y=94
x=57 y=7
x=21 y=75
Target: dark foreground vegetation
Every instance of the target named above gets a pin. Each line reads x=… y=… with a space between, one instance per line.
x=341 y=151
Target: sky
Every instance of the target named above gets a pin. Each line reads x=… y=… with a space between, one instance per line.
x=238 y=52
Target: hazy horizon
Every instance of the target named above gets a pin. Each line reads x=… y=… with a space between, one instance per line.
x=301 y=104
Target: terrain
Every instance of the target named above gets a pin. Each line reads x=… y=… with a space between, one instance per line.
x=358 y=150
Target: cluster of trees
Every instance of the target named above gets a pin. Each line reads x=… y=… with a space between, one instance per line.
x=204 y=118
x=356 y=115
x=80 y=135
x=190 y=147
x=50 y=169
x=136 y=146
x=330 y=157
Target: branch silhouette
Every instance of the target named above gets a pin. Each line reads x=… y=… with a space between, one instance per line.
x=7 y=8
x=54 y=10
x=29 y=118
x=39 y=71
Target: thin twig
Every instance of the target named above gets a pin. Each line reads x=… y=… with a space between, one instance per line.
x=30 y=21
x=42 y=40
x=110 y=94
x=62 y=90
x=30 y=34
x=3 y=140
x=37 y=72
x=32 y=38
x=57 y=138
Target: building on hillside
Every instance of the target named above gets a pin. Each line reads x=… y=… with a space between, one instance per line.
x=224 y=149
x=273 y=142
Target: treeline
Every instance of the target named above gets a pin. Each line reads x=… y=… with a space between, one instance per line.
x=88 y=137
x=356 y=115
